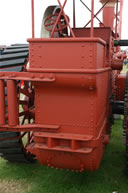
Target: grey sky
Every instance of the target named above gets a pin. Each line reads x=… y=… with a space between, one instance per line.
x=15 y=18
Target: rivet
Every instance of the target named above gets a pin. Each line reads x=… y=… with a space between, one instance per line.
x=82 y=169
x=13 y=75
x=48 y=161
x=51 y=76
x=90 y=88
x=41 y=76
x=32 y=76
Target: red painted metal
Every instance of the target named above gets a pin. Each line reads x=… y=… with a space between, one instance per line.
x=72 y=81
x=120 y=17
x=117 y=64
x=116 y=15
x=120 y=86
x=2 y=103
x=108 y=21
x=90 y=83
x=12 y=103
x=33 y=77
x=33 y=23
x=92 y=19
x=74 y=14
x=30 y=127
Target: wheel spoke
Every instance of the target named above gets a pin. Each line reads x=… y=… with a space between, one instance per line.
x=21 y=102
x=23 y=113
x=26 y=93
x=49 y=24
x=23 y=120
x=23 y=134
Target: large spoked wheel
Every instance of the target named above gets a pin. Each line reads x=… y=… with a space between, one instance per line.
x=26 y=113
x=49 y=20
x=13 y=144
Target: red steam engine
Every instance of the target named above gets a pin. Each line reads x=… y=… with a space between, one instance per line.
x=57 y=104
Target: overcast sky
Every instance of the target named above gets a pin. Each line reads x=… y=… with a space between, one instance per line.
x=15 y=18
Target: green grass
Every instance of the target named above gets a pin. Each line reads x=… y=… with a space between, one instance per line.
x=124 y=69
x=41 y=179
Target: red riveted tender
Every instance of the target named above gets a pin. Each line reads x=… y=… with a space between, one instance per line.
x=63 y=96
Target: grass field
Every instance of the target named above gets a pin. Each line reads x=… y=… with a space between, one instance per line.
x=20 y=178
x=124 y=68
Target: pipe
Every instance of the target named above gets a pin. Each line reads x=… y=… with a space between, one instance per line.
x=74 y=14
x=92 y=19
x=13 y=115
x=33 y=23
x=2 y=103
x=120 y=42
x=116 y=33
